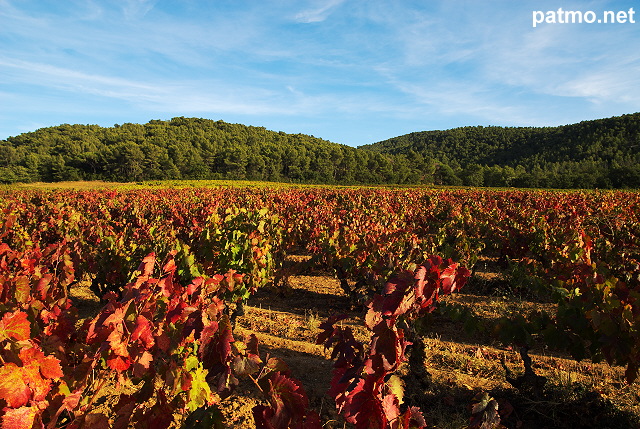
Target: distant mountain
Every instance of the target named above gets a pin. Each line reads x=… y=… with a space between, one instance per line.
x=604 y=153
x=191 y=148
x=599 y=153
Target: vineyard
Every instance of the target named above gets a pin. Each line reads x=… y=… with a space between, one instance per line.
x=317 y=307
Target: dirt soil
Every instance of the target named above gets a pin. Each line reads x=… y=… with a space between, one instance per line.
x=460 y=365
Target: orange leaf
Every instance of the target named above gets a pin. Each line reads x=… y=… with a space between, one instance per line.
x=13 y=388
x=16 y=326
x=19 y=418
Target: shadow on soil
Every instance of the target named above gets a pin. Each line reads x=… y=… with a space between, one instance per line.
x=301 y=301
x=314 y=373
x=445 y=405
x=448 y=405
x=554 y=407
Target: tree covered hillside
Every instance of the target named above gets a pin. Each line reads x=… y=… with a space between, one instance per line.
x=601 y=153
x=190 y=148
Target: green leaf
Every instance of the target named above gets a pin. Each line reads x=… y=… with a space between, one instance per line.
x=191 y=363
x=200 y=392
x=23 y=289
x=396 y=386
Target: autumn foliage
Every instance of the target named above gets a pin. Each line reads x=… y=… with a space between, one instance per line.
x=173 y=267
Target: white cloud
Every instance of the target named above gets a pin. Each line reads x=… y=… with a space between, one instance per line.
x=186 y=96
x=606 y=85
x=47 y=75
x=566 y=61
x=319 y=12
x=458 y=65
x=137 y=9
x=406 y=61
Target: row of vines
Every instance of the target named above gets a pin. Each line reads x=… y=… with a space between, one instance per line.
x=173 y=268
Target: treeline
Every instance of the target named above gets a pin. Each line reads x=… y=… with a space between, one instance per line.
x=603 y=153
x=190 y=148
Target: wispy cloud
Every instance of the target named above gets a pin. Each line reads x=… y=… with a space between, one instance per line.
x=439 y=63
x=318 y=12
x=63 y=78
x=567 y=62
x=204 y=96
x=136 y=9
x=607 y=84
x=503 y=74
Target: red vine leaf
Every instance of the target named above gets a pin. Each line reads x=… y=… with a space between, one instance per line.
x=162 y=339
x=252 y=344
x=49 y=366
x=117 y=317
x=142 y=364
x=390 y=406
x=143 y=332
x=484 y=412
x=275 y=364
x=244 y=365
x=413 y=419
x=39 y=386
x=19 y=418
x=15 y=326
x=13 y=388
x=362 y=407
x=328 y=329
x=117 y=342
x=453 y=277
x=118 y=363
x=262 y=416
x=146 y=266
x=389 y=345
x=289 y=405
x=216 y=348
x=72 y=400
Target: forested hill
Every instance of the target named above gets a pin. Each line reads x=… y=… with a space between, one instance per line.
x=603 y=153
x=190 y=148
x=600 y=153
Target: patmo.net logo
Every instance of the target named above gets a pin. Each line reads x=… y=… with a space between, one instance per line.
x=561 y=16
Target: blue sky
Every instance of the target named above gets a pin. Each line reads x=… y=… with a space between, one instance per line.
x=349 y=71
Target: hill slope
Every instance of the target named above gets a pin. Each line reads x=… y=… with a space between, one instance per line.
x=603 y=153
x=191 y=148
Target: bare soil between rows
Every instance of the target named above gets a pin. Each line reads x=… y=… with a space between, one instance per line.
x=460 y=365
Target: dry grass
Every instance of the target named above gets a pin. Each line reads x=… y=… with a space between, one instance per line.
x=79 y=185
x=577 y=394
